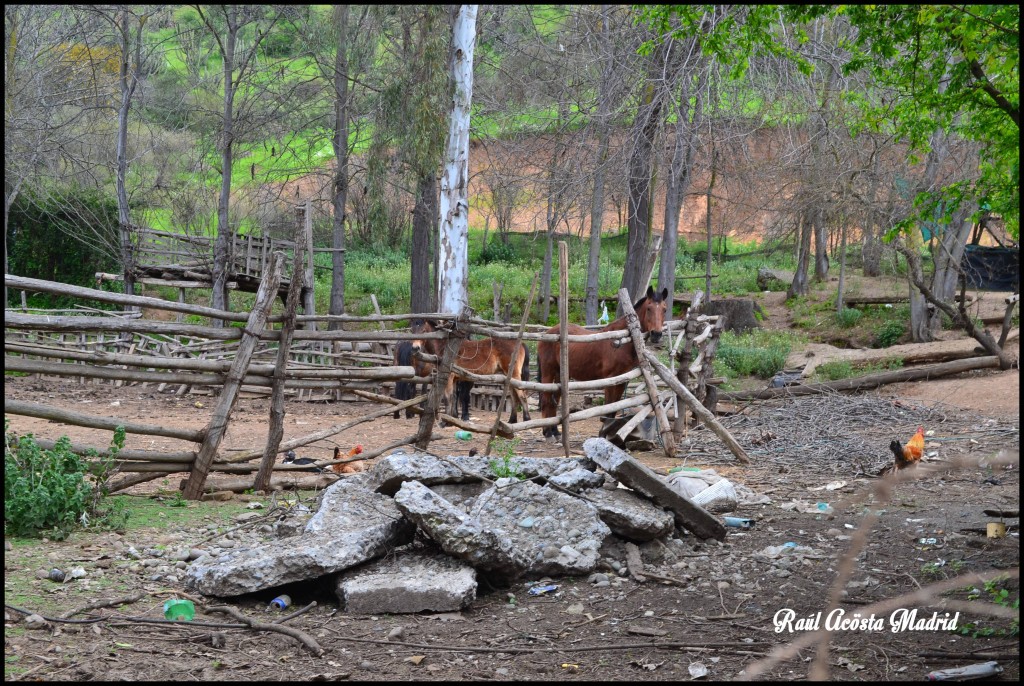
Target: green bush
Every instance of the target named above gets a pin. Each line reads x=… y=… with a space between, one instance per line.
x=498 y=251
x=47 y=492
x=758 y=353
x=848 y=317
x=890 y=333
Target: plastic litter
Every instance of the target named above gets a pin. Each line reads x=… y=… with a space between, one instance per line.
x=179 y=610
x=718 y=497
x=543 y=590
x=977 y=671
x=463 y=435
x=739 y=522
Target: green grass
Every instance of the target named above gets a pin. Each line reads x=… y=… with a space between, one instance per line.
x=759 y=353
x=844 y=369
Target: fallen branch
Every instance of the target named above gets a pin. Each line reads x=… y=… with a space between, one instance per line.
x=870 y=381
x=97 y=604
x=301 y=636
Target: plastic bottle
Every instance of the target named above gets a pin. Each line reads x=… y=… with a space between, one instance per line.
x=463 y=435
x=280 y=602
x=982 y=669
x=179 y=610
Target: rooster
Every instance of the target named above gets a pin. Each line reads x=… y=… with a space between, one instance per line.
x=910 y=454
x=348 y=467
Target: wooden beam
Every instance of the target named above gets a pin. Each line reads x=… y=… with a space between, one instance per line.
x=218 y=422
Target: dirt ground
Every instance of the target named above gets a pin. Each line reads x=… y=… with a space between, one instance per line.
x=718 y=619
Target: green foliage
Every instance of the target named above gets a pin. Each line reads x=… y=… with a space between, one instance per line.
x=848 y=317
x=505 y=450
x=498 y=251
x=64 y=239
x=844 y=369
x=999 y=595
x=757 y=353
x=890 y=332
x=47 y=492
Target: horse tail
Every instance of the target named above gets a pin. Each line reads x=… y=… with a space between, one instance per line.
x=403 y=357
x=525 y=376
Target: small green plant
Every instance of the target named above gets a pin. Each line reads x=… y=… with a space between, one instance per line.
x=502 y=467
x=758 y=353
x=844 y=369
x=889 y=333
x=178 y=500
x=48 y=492
x=848 y=317
x=998 y=595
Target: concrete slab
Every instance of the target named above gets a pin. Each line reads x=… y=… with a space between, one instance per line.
x=636 y=475
x=411 y=582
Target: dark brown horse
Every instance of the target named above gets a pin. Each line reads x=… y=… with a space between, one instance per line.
x=484 y=356
x=406 y=390
x=599 y=359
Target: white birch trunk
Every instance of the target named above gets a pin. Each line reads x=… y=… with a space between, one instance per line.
x=454 y=206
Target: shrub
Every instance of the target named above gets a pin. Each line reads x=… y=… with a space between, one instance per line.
x=758 y=353
x=47 y=492
x=890 y=333
x=848 y=317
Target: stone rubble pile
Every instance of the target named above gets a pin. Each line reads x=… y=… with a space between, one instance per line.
x=555 y=517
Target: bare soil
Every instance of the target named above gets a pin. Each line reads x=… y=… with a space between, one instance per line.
x=720 y=617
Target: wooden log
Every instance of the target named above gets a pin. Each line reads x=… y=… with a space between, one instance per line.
x=276 y=429
x=278 y=482
x=698 y=410
x=588 y=413
x=441 y=373
x=218 y=422
x=128 y=455
x=869 y=381
x=41 y=411
x=328 y=432
x=563 y=342
x=633 y=324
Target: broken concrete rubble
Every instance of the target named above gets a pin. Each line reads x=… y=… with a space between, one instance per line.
x=353 y=526
x=630 y=516
x=552 y=523
x=388 y=475
x=413 y=582
x=459 y=534
x=561 y=533
x=640 y=478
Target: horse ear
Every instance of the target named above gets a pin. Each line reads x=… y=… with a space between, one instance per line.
x=664 y=293
x=650 y=291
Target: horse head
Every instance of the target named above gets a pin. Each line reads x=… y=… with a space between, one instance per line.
x=650 y=310
x=423 y=326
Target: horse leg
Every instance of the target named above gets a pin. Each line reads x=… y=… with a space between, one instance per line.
x=613 y=394
x=462 y=392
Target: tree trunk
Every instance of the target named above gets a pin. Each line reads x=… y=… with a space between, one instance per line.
x=678 y=183
x=340 y=143
x=804 y=230
x=424 y=263
x=220 y=248
x=820 y=248
x=453 y=270
x=128 y=80
x=640 y=173
x=948 y=254
x=597 y=202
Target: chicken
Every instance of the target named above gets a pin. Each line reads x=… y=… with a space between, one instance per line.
x=910 y=454
x=348 y=467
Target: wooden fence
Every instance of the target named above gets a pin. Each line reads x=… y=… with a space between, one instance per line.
x=246 y=355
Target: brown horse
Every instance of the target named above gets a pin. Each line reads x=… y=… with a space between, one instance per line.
x=484 y=356
x=406 y=390
x=599 y=359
